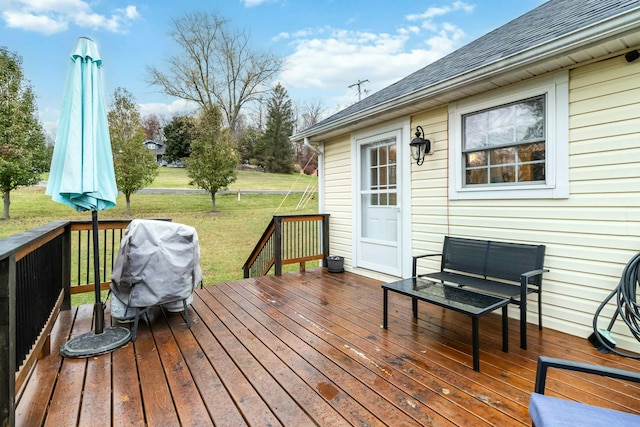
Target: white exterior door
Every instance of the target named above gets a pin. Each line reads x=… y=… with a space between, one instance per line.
x=378 y=215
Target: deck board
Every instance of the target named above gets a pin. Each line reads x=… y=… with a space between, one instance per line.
x=308 y=349
x=126 y=396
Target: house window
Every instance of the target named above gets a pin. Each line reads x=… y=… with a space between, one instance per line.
x=511 y=143
x=505 y=144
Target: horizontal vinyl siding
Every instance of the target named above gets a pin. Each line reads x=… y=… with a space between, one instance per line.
x=591 y=235
x=338 y=196
x=605 y=192
x=429 y=188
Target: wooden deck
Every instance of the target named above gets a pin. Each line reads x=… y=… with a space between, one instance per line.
x=307 y=349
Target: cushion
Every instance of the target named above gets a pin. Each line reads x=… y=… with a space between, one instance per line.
x=546 y=411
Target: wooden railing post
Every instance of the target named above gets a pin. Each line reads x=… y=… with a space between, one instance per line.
x=277 y=235
x=7 y=340
x=287 y=240
x=66 y=267
x=325 y=238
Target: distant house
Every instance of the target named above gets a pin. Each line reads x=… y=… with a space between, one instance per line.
x=157 y=148
x=535 y=131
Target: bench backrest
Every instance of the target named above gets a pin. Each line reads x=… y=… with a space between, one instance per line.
x=488 y=258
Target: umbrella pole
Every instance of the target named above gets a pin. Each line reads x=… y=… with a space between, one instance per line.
x=98 y=307
x=100 y=340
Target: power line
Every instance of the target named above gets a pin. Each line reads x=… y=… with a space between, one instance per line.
x=359 y=83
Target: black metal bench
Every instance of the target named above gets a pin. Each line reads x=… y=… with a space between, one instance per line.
x=513 y=270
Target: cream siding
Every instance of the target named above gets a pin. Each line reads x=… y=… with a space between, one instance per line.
x=429 y=187
x=338 y=196
x=605 y=179
x=591 y=235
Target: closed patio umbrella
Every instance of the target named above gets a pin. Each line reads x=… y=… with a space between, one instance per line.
x=82 y=175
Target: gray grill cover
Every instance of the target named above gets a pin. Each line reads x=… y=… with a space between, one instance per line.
x=158 y=263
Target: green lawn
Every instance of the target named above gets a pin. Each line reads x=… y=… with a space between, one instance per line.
x=226 y=236
x=177 y=178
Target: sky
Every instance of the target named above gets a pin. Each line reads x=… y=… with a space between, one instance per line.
x=327 y=45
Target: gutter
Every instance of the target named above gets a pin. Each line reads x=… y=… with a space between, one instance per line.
x=616 y=26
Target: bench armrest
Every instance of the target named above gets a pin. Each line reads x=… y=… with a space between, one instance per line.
x=544 y=363
x=524 y=282
x=414 y=271
x=532 y=273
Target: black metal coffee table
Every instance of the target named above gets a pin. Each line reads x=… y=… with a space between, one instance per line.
x=469 y=302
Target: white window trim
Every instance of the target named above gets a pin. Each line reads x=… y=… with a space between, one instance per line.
x=556 y=186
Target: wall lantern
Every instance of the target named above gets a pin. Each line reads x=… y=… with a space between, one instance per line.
x=419 y=146
x=632 y=55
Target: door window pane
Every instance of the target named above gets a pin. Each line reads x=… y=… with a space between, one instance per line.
x=379 y=179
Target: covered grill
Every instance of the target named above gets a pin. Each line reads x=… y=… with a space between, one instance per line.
x=158 y=264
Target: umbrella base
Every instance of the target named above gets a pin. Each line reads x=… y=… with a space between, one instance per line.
x=92 y=344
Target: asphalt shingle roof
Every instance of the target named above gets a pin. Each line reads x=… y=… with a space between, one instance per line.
x=551 y=20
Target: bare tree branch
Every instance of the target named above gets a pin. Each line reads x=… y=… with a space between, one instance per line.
x=216 y=67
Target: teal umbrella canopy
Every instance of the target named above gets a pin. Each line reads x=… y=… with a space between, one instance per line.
x=81 y=173
x=82 y=177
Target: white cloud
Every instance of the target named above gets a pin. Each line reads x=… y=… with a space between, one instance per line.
x=58 y=6
x=251 y=3
x=446 y=40
x=426 y=18
x=130 y=12
x=177 y=107
x=281 y=36
x=297 y=34
x=54 y=16
x=433 y=12
x=347 y=57
x=38 y=23
x=330 y=58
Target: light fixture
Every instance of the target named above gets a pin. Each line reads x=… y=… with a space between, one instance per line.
x=419 y=146
x=632 y=55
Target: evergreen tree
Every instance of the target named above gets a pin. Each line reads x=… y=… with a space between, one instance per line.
x=135 y=165
x=23 y=153
x=275 y=150
x=213 y=160
x=179 y=133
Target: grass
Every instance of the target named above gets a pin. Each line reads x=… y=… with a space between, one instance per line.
x=226 y=236
x=173 y=178
x=246 y=180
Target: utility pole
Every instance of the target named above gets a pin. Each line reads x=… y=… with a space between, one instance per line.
x=359 y=83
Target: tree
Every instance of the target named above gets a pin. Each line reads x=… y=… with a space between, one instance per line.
x=179 y=133
x=23 y=153
x=216 y=66
x=248 y=140
x=212 y=164
x=308 y=114
x=153 y=128
x=275 y=150
x=134 y=164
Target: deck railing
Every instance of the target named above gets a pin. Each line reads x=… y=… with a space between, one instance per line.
x=39 y=270
x=289 y=239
